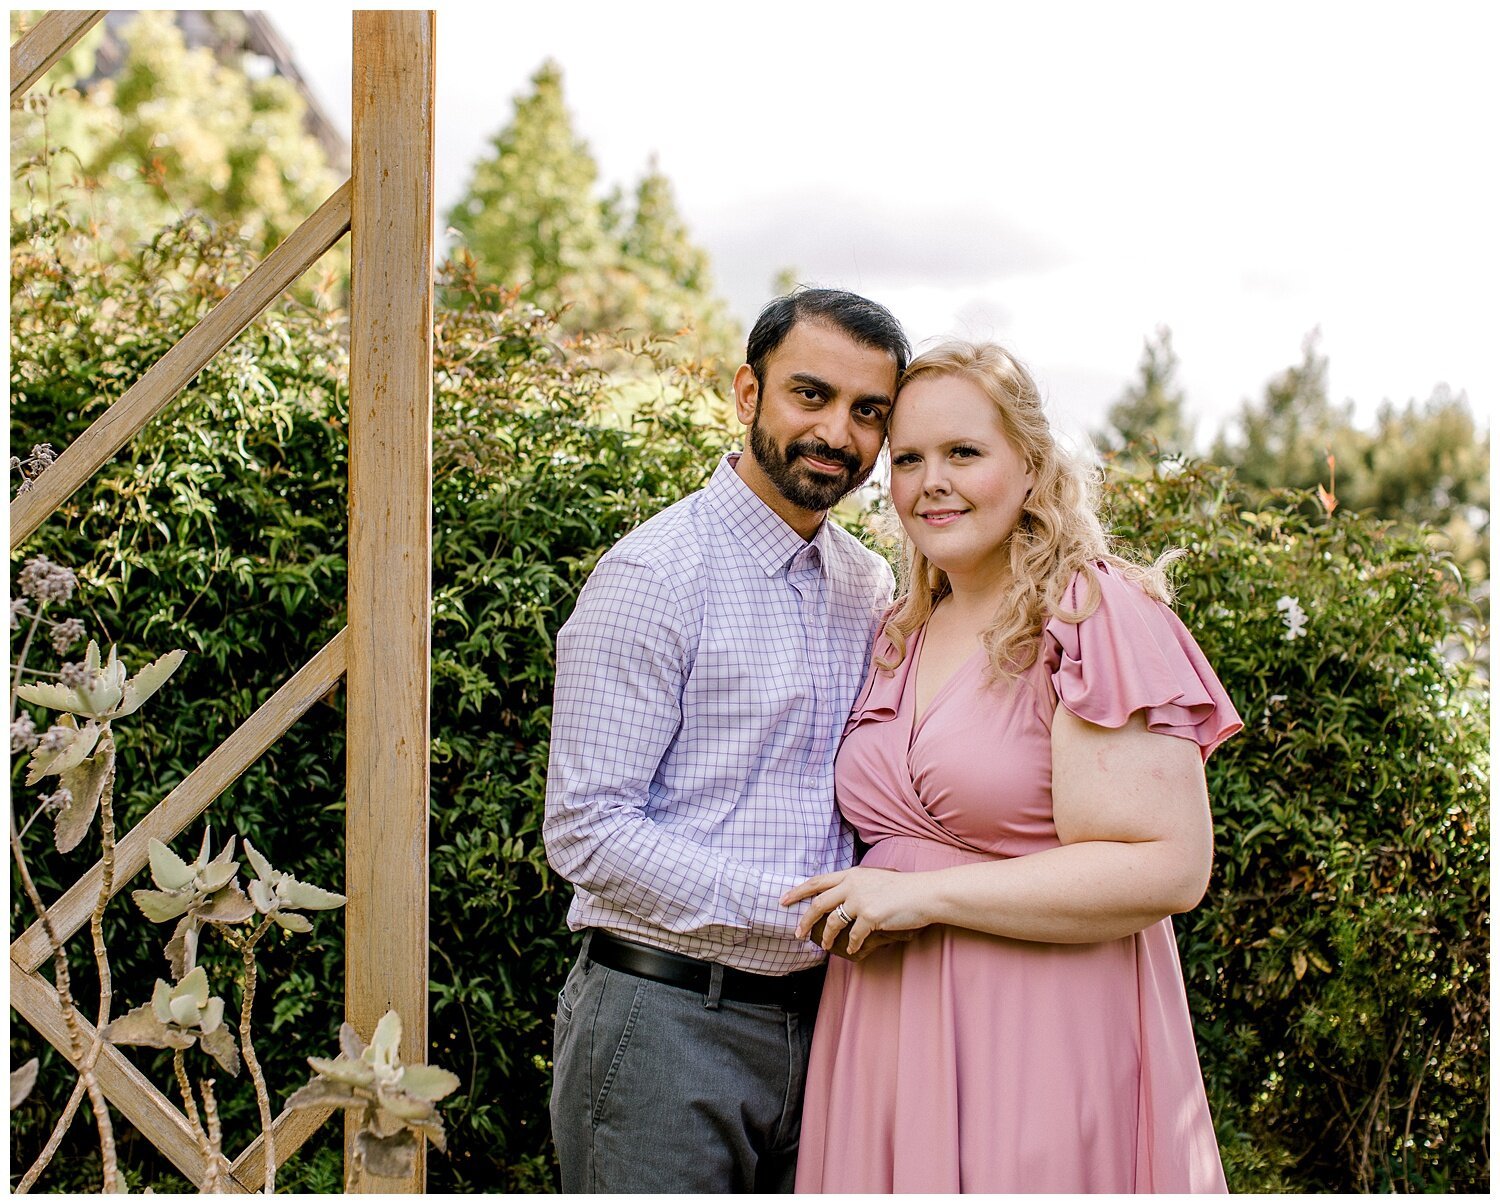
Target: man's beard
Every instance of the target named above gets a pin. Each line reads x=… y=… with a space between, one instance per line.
x=803 y=487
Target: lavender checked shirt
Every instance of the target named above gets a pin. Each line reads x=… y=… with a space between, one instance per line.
x=702 y=685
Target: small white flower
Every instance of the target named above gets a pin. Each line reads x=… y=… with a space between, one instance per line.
x=1293 y=616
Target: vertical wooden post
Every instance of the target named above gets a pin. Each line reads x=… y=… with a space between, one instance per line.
x=390 y=537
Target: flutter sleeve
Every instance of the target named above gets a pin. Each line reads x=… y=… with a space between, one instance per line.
x=1133 y=654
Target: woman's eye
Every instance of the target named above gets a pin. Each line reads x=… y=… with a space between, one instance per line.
x=903 y=459
x=964 y=452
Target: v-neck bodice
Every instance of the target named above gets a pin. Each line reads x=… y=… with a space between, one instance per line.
x=974 y=770
x=915 y=721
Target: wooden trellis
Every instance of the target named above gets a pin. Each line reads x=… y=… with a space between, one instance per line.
x=383 y=654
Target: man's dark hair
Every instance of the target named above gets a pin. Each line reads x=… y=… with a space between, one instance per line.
x=861 y=319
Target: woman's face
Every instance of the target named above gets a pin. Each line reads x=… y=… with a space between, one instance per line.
x=957 y=482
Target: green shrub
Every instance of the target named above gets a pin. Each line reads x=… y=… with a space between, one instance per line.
x=1337 y=970
x=222 y=529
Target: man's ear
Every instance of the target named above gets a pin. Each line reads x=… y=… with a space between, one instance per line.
x=746 y=394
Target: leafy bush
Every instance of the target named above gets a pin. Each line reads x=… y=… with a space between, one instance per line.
x=1337 y=970
x=222 y=529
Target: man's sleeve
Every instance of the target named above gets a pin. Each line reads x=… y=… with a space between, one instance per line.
x=622 y=660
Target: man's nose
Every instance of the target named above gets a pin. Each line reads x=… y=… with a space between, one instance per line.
x=835 y=430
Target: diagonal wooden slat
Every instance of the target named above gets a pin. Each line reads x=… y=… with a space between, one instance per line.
x=291 y=1130
x=192 y=795
x=170 y=375
x=123 y=1085
x=47 y=41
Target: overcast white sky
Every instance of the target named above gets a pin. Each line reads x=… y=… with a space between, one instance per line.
x=1063 y=177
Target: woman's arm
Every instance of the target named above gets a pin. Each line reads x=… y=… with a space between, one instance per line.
x=1131 y=809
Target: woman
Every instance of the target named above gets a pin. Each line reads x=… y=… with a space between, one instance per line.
x=1028 y=752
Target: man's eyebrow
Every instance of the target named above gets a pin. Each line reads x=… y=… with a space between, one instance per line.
x=816 y=382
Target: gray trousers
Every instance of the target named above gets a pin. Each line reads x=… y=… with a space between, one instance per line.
x=657 y=1088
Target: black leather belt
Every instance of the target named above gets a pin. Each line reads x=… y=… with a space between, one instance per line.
x=796 y=991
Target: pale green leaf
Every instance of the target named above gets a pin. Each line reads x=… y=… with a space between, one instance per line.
x=184 y=1010
x=22 y=1080
x=149 y=680
x=220 y=1046
x=326 y=1093
x=407 y=1107
x=195 y=986
x=159 y=906
x=387 y=1038
x=228 y=906
x=85 y=782
x=351 y=1044
x=291 y=921
x=261 y=866
x=305 y=897
x=429 y=1082
x=213 y=1015
x=54 y=697
x=387 y=1157
x=60 y=759
x=344 y=1070
x=216 y=874
x=261 y=895
x=168 y=871
x=141 y=1027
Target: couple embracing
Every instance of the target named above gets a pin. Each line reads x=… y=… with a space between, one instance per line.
x=984 y=800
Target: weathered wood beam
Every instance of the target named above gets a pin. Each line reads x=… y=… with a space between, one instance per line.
x=390 y=540
x=191 y=797
x=290 y=1131
x=36 y=50
x=170 y=375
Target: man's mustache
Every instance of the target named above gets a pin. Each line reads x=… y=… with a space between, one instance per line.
x=822 y=451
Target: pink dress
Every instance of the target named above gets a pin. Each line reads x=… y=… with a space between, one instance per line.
x=975 y=1063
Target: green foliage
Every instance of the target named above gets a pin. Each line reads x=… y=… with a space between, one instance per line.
x=1424 y=463
x=531 y=220
x=222 y=530
x=1337 y=969
x=219 y=530
x=172 y=131
x=1149 y=418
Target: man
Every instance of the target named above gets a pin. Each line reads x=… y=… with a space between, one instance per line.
x=702 y=686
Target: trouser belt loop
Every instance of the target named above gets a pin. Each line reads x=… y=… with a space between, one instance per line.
x=715 y=986
x=583 y=952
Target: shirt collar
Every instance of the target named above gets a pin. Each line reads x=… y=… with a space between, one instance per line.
x=763 y=533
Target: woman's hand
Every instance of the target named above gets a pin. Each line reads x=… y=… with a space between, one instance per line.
x=881 y=906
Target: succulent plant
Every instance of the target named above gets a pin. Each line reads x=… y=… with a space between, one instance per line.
x=178 y=1017
x=201 y=892
x=105 y=693
x=281 y=897
x=398 y=1102
x=83 y=760
x=83 y=757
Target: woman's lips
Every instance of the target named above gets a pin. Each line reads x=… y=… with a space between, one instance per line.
x=941 y=518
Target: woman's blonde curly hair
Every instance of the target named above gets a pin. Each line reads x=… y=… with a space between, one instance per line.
x=1057 y=535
